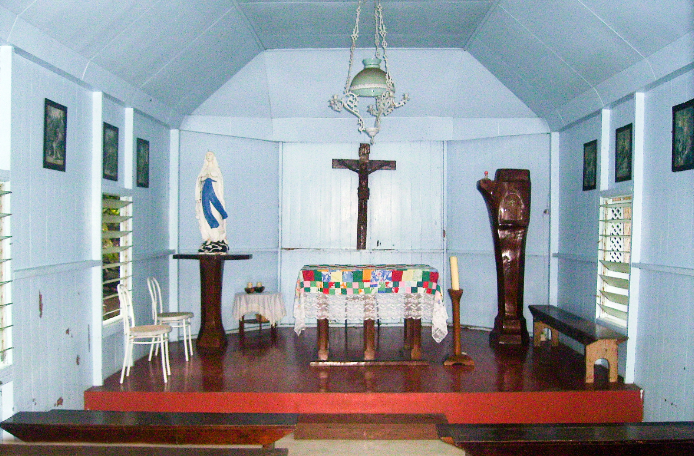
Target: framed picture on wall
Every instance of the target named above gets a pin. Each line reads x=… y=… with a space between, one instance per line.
x=142 y=163
x=683 y=136
x=54 y=135
x=110 y=152
x=623 y=153
x=590 y=165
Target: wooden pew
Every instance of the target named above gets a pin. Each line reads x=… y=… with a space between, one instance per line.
x=611 y=439
x=600 y=342
x=87 y=449
x=93 y=426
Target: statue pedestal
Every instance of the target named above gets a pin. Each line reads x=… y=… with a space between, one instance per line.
x=508 y=203
x=211 y=335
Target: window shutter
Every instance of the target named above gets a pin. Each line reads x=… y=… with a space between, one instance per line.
x=116 y=250
x=614 y=259
x=5 y=275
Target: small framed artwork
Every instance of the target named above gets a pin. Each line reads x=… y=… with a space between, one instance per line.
x=683 y=136
x=590 y=165
x=142 y=163
x=623 y=153
x=54 y=135
x=110 y=151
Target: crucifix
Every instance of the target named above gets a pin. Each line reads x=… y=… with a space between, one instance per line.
x=363 y=167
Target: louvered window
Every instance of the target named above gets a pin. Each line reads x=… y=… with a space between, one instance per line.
x=116 y=250
x=614 y=255
x=5 y=276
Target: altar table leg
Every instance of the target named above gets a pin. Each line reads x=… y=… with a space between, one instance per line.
x=323 y=342
x=416 y=352
x=369 y=340
x=407 y=345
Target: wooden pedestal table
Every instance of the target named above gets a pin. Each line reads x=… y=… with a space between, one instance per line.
x=211 y=335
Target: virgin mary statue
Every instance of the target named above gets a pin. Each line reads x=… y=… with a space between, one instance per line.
x=209 y=207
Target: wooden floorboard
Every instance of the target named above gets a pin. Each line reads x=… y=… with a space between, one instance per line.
x=259 y=373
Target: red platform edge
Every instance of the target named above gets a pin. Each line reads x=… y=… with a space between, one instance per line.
x=478 y=408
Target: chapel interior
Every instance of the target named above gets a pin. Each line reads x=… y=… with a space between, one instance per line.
x=509 y=242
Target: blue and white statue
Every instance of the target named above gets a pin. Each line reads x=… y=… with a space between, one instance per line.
x=209 y=207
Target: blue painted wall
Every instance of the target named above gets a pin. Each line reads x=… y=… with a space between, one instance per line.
x=659 y=354
x=52 y=228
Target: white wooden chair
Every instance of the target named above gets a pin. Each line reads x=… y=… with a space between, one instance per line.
x=179 y=320
x=141 y=335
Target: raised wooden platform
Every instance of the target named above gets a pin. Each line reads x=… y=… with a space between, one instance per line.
x=273 y=375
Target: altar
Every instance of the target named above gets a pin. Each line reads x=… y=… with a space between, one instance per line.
x=367 y=293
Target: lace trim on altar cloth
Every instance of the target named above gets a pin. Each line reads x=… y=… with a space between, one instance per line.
x=383 y=306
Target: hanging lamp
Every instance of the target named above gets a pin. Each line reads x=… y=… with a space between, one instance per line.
x=371 y=82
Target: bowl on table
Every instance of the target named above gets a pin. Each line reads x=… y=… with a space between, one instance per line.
x=249 y=290
x=259 y=289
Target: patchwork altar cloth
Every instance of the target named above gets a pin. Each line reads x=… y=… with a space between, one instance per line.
x=369 y=292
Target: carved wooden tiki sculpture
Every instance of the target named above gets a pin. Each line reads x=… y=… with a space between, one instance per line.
x=508 y=203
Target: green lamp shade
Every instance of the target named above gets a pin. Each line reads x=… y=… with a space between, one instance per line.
x=371 y=81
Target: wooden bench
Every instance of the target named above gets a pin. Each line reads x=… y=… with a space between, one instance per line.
x=611 y=439
x=87 y=449
x=600 y=342
x=93 y=426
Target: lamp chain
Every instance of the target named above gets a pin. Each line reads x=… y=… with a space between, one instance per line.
x=355 y=36
x=383 y=104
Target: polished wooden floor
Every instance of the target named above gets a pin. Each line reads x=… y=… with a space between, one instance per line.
x=259 y=372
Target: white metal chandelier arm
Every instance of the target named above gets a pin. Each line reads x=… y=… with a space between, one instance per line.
x=382 y=92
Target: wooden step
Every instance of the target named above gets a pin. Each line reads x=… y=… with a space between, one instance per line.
x=94 y=449
x=151 y=427
x=373 y=426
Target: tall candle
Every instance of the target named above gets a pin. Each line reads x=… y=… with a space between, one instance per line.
x=455 y=284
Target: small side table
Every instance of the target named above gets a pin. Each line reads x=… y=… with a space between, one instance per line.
x=268 y=307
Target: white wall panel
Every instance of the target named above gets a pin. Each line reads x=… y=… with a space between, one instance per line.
x=319 y=204
x=52 y=226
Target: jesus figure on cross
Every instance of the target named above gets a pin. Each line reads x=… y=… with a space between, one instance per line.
x=363 y=167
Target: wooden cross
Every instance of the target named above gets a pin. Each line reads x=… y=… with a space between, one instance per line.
x=363 y=167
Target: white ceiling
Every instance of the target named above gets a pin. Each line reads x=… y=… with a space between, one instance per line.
x=549 y=53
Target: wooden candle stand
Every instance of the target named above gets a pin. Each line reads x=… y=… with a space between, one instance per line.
x=458 y=357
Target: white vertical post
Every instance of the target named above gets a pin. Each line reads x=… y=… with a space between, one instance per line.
x=605 y=149
x=6 y=53
x=554 y=205
x=128 y=148
x=95 y=210
x=636 y=232
x=7 y=400
x=174 y=145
